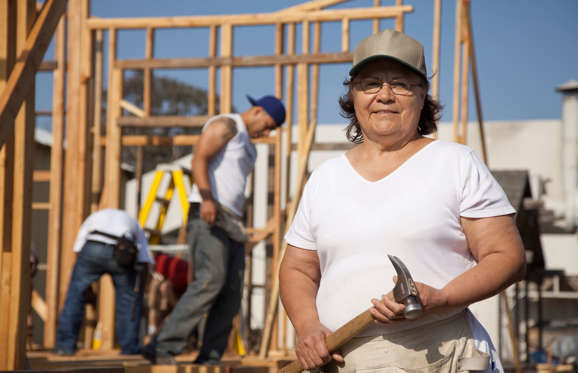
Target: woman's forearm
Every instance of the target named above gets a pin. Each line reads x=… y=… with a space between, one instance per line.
x=298 y=292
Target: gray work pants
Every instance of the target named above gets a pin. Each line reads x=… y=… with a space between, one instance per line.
x=216 y=291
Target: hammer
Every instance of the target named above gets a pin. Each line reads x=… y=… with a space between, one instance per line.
x=404 y=292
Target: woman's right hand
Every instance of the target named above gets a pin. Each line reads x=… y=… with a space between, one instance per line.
x=311 y=348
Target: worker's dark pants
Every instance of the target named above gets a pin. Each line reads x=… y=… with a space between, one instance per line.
x=216 y=290
x=94 y=260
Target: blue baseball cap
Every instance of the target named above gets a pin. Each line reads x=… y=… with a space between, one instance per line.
x=272 y=105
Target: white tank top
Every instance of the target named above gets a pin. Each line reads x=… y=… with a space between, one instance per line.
x=230 y=168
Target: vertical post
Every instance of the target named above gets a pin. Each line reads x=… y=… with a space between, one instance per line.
x=76 y=178
x=227 y=69
x=8 y=54
x=97 y=168
x=457 y=54
x=303 y=92
x=113 y=183
x=16 y=284
x=376 y=3
x=399 y=18
x=212 y=72
x=465 y=88
x=148 y=74
x=56 y=172
x=436 y=49
x=279 y=37
x=472 y=54
x=289 y=102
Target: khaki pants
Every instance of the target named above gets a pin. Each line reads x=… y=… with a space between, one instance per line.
x=446 y=346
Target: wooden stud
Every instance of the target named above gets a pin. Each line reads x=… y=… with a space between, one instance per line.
x=279 y=38
x=274 y=296
x=23 y=74
x=148 y=74
x=436 y=49
x=227 y=70
x=399 y=17
x=376 y=3
x=345 y=35
x=457 y=54
x=303 y=89
x=468 y=24
x=212 y=99
x=464 y=93
x=113 y=185
x=17 y=303
x=8 y=55
x=97 y=153
x=56 y=178
x=289 y=101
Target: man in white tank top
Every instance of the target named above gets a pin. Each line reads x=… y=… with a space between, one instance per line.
x=222 y=161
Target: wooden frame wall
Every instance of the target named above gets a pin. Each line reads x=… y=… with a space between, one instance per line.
x=226 y=62
x=90 y=178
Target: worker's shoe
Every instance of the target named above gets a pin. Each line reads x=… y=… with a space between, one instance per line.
x=61 y=352
x=150 y=353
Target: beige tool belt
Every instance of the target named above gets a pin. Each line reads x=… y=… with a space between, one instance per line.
x=445 y=346
x=231 y=223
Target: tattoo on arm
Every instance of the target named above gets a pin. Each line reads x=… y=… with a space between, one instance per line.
x=231 y=128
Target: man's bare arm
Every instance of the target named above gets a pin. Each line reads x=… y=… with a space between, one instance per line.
x=212 y=140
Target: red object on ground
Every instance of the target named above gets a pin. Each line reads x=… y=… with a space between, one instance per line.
x=175 y=270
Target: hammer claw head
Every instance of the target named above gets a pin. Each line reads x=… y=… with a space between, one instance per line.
x=405 y=290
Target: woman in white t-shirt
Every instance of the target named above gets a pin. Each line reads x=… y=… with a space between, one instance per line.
x=433 y=204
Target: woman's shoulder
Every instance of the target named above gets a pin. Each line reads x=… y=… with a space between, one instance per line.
x=452 y=147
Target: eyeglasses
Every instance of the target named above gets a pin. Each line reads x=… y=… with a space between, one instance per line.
x=372 y=85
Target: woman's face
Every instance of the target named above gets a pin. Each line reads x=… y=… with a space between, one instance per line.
x=388 y=112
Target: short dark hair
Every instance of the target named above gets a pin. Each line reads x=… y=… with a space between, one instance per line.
x=430 y=115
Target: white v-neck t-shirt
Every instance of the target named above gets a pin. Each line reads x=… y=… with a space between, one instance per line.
x=413 y=213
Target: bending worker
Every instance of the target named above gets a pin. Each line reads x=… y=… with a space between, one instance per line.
x=223 y=159
x=95 y=244
x=431 y=203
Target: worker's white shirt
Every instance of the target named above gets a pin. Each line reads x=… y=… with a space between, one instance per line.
x=413 y=213
x=230 y=168
x=115 y=222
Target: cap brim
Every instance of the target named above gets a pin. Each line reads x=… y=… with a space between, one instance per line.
x=355 y=69
x=252 y=100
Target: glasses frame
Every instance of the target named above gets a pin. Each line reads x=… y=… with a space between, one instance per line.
x=398 y=88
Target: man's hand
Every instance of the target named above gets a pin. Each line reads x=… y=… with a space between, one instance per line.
x=208 y=211
x=311 y=349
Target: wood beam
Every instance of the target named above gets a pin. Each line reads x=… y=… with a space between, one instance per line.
x=311 y=5
x=245 y=61
x=249 y=19
x=23 y=75
x=171 y=121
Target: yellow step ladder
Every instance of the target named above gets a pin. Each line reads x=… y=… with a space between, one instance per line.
x=176 y=181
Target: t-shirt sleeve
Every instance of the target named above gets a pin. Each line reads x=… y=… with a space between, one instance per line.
x=300 y=233
x=481 y=195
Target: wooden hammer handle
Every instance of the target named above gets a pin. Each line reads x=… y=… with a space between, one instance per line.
x=337 y=339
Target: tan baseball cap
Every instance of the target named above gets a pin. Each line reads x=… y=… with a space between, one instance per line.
x=390 y=44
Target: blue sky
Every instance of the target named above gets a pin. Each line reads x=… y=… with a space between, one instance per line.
x=524 y=50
